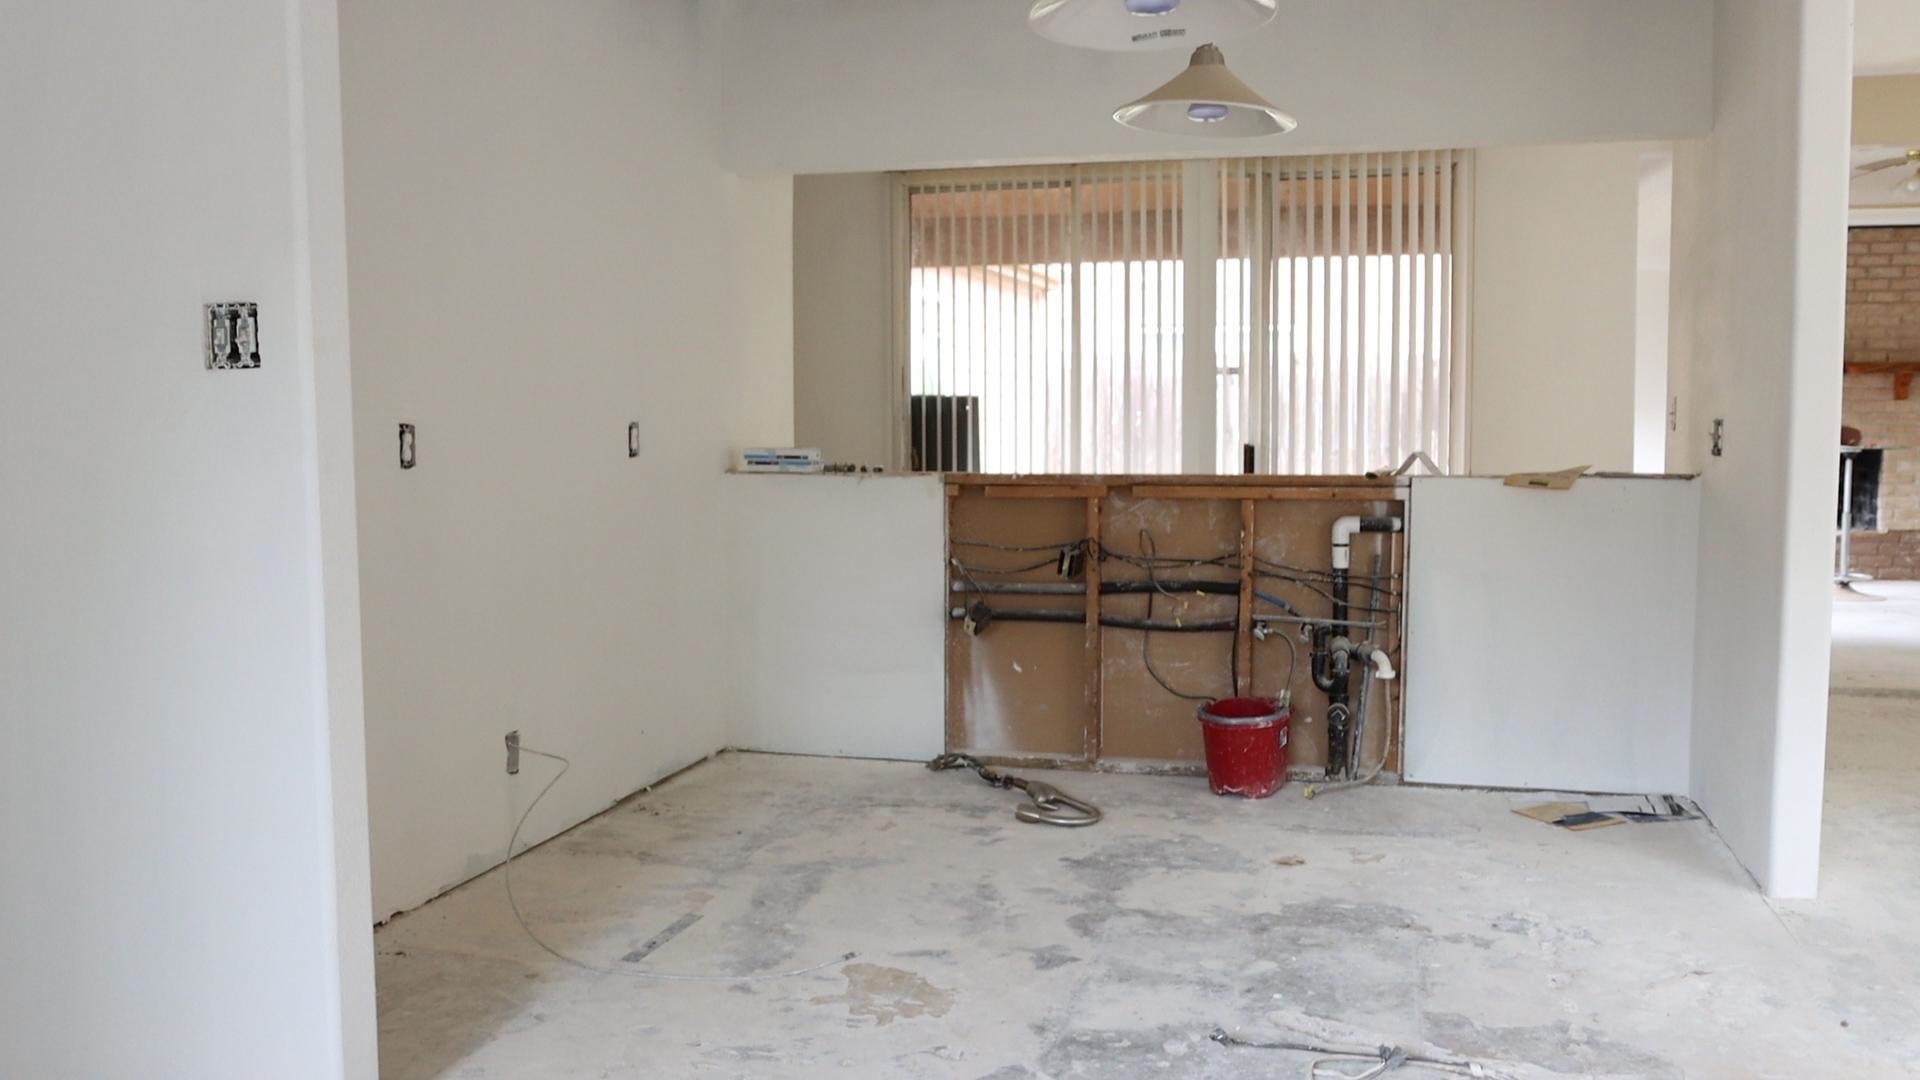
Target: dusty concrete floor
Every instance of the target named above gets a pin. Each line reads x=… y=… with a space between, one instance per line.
x=991 y=949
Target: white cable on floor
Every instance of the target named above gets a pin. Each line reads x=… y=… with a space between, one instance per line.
x=513 y=841
x=1380 y=1060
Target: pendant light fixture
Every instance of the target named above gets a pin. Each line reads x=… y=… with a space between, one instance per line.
x=1206 y=99
x=1140 y=25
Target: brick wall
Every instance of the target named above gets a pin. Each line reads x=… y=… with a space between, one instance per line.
x=1888 y=556
x=1883 y=324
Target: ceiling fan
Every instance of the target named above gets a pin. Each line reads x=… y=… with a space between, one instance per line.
x=1911 y=157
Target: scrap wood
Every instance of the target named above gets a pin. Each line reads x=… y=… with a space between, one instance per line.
x=1569 y=815
x=1550 y=812
x=1547 y=481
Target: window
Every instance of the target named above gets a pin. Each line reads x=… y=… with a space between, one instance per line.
x=1044 y=318
x=1045 y=315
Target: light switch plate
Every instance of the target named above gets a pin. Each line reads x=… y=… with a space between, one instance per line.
x=233 y=336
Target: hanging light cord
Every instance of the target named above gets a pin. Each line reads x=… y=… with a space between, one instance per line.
x=513 y=842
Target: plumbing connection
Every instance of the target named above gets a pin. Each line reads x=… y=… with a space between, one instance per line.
x=1334 y=652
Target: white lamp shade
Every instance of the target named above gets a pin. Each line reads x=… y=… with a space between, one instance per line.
x=1206 y=99
x=1141 y=25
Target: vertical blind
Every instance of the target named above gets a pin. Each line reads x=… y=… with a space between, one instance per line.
x=1045 y=312
x=1335 y=311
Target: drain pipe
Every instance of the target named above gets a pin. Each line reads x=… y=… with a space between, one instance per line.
x=1331 y=654
x=1374 y=665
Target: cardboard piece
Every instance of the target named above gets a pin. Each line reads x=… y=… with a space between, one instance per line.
x=1550 y=812
x=1547 y=481
x=1570 y=815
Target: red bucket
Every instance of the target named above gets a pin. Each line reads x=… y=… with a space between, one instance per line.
x=1246 y=742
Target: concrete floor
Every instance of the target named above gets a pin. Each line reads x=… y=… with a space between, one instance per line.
x=991 y=949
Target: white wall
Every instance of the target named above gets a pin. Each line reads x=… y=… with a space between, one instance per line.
x=183 y=895
x=1554 y=274
x=921 y=83
x=760 y=282
x=839 y=614
x=843 y=316
x=1759 y=221
x=1550 y=634
x=543 y=248
x=1652 y=310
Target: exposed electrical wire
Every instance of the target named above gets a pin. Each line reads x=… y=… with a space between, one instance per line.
x=1146 y=637
x=1382 y=595
x=1328 y=597
x=1044 y=563
x=968 y=575
x=513 y=841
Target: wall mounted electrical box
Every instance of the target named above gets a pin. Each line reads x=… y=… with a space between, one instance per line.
x=233 y=336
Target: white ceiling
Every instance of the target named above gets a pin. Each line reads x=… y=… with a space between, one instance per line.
x=1886 y=36
x=856 y=85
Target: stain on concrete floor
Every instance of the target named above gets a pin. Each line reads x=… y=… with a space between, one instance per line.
x=886 y=994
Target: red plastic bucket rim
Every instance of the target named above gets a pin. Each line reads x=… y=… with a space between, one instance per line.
x=1242 y=710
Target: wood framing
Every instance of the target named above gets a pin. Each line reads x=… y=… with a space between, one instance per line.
x=1178 y=553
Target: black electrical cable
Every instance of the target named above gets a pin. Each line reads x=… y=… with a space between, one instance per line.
x=1041 y=565
x=1150 y=561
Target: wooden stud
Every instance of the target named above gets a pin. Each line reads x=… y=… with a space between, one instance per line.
x=1243 y=635
x=1105 y=481
x=1317 y=494
x=953 y=727
x=1095 y=660
x=1045 y=491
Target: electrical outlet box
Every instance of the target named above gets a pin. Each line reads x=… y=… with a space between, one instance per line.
x=233 y=336
x=513 y=753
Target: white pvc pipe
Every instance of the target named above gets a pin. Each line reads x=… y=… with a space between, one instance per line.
x=1343 y=533
x=1344 y=530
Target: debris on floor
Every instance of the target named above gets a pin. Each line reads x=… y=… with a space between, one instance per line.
x=1580 y=815
x=1423 y=918
x=1551 y=812
x=1045 y=805
x=1384 y=1059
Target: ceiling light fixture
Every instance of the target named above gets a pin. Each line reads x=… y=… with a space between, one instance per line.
x=1140 y=25
x=1206 y=99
